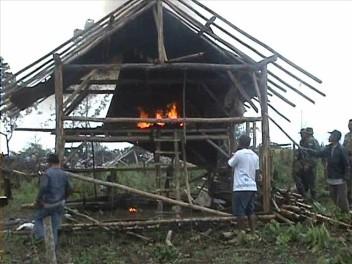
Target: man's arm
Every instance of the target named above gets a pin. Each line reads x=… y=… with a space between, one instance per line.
x=68 y=188
x=42 y=188
x=346 y=163
x=233 y=161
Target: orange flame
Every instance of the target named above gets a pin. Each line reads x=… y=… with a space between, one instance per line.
x=132 y=210
x=170 y=112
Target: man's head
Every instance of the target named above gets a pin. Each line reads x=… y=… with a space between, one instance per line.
x=350 y=125
x=303 y=133
x=335 y=136
x=52 y=159
x=244 y=141
x=309 y=131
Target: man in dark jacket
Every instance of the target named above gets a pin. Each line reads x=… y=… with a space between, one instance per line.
x=338 y=169
x=53 y=191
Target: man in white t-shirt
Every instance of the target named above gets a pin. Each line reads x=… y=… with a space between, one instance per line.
x=246 y=173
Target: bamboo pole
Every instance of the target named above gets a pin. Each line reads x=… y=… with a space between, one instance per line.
x=135 y=138
x=177 y=171
x=83 y=86
x=81 y=34
x=159 y=22
x=148 y=195
x=166 y=66
x=242 y=91
x=254 y=134
x=285 y=133
x=281 y=97
x=186 y=57
x=257 y=41
x=159 y=222
x=59 y=137
x=164 y=120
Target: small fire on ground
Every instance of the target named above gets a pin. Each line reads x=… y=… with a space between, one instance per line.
x=170 y=112
x=132 y=210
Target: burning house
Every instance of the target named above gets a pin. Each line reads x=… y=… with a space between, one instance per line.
x=178 y=88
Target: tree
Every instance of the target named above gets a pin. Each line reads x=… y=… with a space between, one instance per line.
x=8 y=122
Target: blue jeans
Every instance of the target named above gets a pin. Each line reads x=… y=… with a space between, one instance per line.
x=56 y=214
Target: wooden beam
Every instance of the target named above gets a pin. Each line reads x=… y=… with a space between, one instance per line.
x=159 y=22
x=186 y=57
x=265 y=157
x=49 y=240
x=83 y=86
x=242 y=91
x=166 y=66
x=136 y=138
x=59 y=137
x=163 y=120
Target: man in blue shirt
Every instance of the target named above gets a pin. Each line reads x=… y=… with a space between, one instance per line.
x=53 y=191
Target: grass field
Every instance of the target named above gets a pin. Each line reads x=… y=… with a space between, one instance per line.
x=275 y=243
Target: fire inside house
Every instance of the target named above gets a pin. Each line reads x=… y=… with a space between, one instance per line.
x=179 y=90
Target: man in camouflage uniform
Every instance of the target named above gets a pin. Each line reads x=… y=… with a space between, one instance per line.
x=305 y=164
x=347 y=144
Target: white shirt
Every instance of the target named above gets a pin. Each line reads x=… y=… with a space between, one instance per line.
x=245 y=163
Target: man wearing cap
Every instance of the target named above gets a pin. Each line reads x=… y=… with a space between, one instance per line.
x=246 y=174
x=347 y=143
x=338 y=169
x=53 y=191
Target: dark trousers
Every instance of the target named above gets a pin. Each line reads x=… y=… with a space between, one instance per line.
x=305 y=181
x=338 y=194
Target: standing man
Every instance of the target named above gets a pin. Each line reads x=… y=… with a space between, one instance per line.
x=246 y=172
x=310 y=162
x=53 y=191
x=299 y=163
x=338 y=169
x=347 y=144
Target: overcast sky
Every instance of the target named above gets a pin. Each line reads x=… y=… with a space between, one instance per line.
x=316 y=35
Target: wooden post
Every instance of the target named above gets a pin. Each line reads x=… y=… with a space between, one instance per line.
x=49 y=241
x=248 y=129
x=265 y=157
x=158 y=170
x=254 y=134
x=59 y=137
x=159 y=21
x=177 y=171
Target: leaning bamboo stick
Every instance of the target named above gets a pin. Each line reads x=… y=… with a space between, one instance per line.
x=257 y=41
x=148 y=195
x=159 y=222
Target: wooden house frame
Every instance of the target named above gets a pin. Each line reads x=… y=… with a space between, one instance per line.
x=78 y=60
